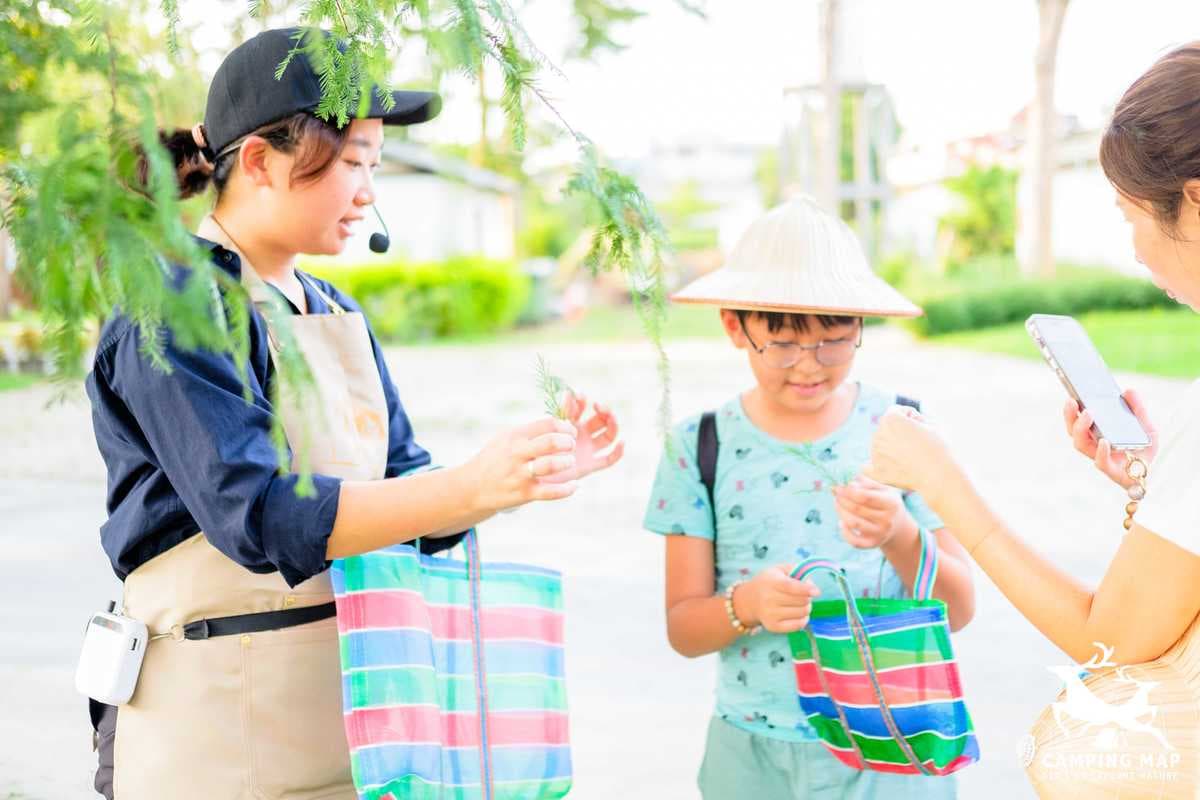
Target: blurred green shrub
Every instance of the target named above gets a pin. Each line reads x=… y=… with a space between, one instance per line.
x=549 y=229
x=406 y=302
x=898 y=269
x=1079 y=292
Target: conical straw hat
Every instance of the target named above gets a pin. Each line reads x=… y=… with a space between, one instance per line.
x=1123 y=735
x=798 y=258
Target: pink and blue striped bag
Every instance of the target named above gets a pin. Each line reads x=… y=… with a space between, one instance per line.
x=452 y=676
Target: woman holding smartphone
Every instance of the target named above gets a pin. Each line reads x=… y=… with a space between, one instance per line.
x=1151 y=155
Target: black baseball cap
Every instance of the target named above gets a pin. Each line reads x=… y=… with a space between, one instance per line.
x=244 y=94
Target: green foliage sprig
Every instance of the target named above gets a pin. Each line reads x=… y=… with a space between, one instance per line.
x=554 y=390
x=807 y=454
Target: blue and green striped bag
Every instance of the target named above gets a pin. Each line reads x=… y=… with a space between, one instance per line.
x=877 y=678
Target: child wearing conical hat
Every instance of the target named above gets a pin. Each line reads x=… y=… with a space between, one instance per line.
x=785 y=487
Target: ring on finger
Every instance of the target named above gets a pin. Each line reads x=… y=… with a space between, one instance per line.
x=529 y=469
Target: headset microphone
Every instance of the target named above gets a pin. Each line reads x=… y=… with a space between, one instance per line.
x=380 y=242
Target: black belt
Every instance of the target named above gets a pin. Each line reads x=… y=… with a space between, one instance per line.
x=256 y=623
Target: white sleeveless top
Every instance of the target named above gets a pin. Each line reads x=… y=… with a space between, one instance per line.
x=1172 y=505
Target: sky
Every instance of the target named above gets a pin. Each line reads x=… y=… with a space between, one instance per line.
x=954 y=68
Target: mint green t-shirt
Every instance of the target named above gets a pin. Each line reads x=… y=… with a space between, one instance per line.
x=774 y=506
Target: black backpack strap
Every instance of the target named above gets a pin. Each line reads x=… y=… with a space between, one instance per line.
x=707 y=447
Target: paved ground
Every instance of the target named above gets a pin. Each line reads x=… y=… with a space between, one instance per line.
x=638 y=709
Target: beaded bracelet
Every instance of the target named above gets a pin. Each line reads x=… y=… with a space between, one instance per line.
x=733 y=617
x=1136 y=469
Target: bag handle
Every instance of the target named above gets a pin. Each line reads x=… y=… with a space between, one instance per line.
x=470 y=545
x=927 y=569
x=475 y=578
x=474 y=564
x=922 y=590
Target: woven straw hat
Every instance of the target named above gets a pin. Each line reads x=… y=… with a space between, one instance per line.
x=798 y=258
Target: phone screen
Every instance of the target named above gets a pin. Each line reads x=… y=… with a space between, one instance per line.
x=1086 y=376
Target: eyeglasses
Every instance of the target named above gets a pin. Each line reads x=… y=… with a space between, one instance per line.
x=785 y=355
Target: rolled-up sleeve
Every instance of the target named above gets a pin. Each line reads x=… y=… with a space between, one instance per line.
x=216 y=450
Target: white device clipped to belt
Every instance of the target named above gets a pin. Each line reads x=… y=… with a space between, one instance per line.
x=114 y=646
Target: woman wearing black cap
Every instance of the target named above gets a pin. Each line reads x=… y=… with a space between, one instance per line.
x=240 y=691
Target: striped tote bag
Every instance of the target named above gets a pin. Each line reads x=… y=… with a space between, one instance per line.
x=877 y=678
x=452 y=676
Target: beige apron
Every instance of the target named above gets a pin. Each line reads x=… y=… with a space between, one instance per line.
x=257 y=715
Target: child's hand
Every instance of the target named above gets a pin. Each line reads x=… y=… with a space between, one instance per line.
x=775 y=600
x=870 y=513
x=1112 y=464
x=594 y=448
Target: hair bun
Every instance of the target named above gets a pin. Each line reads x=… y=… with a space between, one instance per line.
x=193 y=165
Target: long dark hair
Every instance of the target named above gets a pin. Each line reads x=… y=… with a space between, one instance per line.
x=1152 y=146
x=316 y=143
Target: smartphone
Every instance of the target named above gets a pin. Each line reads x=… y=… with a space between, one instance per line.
x=1070 y=353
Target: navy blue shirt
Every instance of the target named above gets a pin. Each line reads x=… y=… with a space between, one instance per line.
x=186 y=453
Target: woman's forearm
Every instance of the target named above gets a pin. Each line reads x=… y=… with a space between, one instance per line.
x=1144 y=603
x=1055 y=602
x=376 y=514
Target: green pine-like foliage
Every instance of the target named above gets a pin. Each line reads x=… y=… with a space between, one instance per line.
x=93 y=209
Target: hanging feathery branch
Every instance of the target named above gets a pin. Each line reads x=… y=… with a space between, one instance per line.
x=94 y=212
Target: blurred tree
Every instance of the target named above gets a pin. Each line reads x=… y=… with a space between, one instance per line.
x=831 y=91
x=766 y=175
x=985 y=222
x=597 y=21
x=596 y=24
x=1042 y=127
x=550 y=228
x=683 y=213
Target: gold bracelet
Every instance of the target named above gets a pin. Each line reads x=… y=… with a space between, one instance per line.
x=737 y=624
